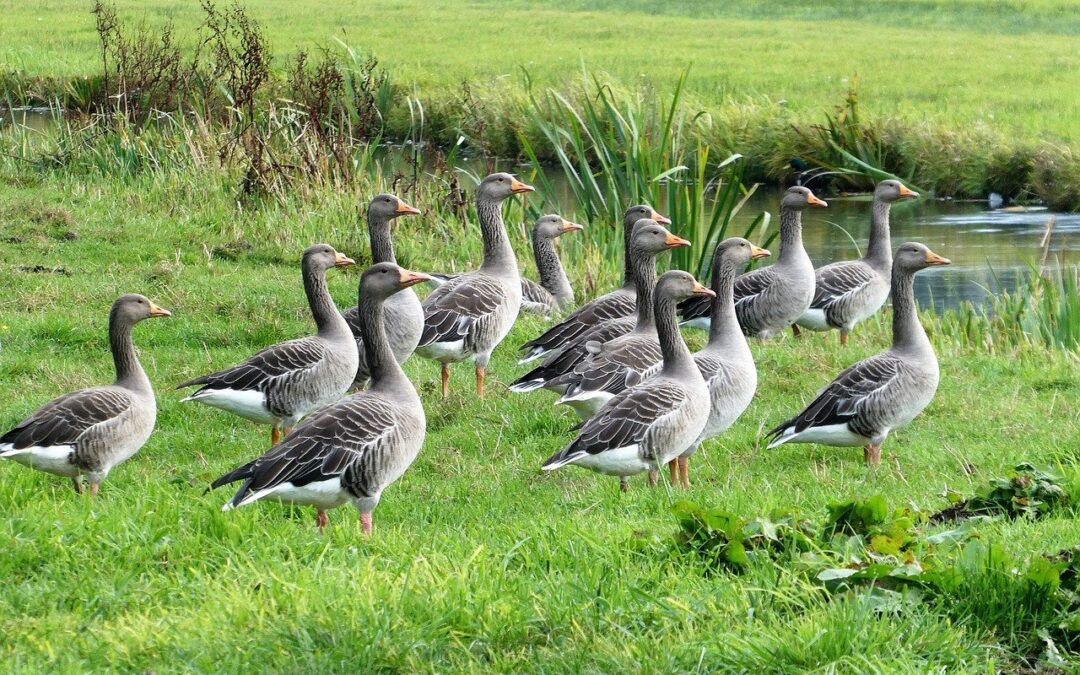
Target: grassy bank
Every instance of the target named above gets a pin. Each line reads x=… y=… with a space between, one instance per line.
x=764 y=79
x=478 y=562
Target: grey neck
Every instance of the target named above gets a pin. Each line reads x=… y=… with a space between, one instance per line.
x=644 y=264
x=791 y=245
x=628 y=256
x=879 y=249
x=552 y=274
x=676 y=355
x=129 y=372
x=724 y=331
x=384 y=368
x=382 y=246
x=498 y=254
x=327 y=318
x=908 y=333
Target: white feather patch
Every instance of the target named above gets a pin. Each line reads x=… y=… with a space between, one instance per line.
x=250 y=405
x=54 y=459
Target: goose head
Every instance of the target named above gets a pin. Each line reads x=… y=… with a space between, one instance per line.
x=386 y=206
x=551 y=227
x=736 y=252
x=133 y=308
x=913 y=256
x=651 y=237
x=640 y=211
x=384 y=279
x=892 y=191
x=677 y=286
x=798 y=198
x=323 y=256
x=498 y=186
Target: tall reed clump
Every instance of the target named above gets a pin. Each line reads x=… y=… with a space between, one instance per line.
x=615 y=149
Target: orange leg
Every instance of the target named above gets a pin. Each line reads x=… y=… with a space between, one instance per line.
x=684 y=471
x=365 y=523
x=445 y=380
x=321 y=520
x=76 y=483
x=94 y=488
x=286 y=431
x=654 y=478
x=480 y=382
x=275 y=435
x=795 y=330
x=673 y=471
x=872 y=455
x=843 y=339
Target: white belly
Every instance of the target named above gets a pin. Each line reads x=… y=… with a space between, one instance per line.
x=250 y=405
x=325 y=494
x=814 y=319
x=839 y=435
x=587 y=403
x=445 y=352
x=623 y=461
x=51 y=459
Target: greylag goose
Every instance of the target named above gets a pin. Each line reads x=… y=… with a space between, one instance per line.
x=404 y=315
x=725 y=362
x=649 y=238
x=613 y=305
x=351 y=450
x=849 y=291
x=88 y=432
x=468 y=316
x=884 y=392
x=282 y=383
x=769 y=300
x=650 y=423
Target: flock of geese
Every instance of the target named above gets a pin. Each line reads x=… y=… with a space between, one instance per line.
x=618 y=361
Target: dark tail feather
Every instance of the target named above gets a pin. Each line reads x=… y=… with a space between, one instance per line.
x=191 y=383
x=244 y=472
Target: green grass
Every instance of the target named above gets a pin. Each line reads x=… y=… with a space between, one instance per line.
x=479 y=562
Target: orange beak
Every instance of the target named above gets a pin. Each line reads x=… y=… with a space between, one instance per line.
x=814 y=201
x=158 y=311
x=676 y=242
x=934 y=259
x=405 y=209
x=756 y=253
x=517 y=187
x=905 y=192
x=663 y=220
x=701 y=290
x=342 y=260
x=567 y=226
x=412 y=278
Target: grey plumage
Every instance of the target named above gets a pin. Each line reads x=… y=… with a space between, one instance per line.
x=351 y=450
x=554 y=292
x=614 y=305
x=884 y=392
x=89 y=432
x=404 y=316
x=849 y=291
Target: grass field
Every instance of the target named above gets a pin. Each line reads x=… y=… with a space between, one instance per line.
x=1011 y=65
x=479 y=562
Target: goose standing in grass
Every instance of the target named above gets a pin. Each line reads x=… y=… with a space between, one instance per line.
x=650 y=423
x=849 y=291
x=649 y=238
x=769 y=300
x=725 y=362
x=614 y=305
x=351 y=450
x=404 y=315
x=88 y=432
x=281 y=384
x=884 y=392
x=468 y=316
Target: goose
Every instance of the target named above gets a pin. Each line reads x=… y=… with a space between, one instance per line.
x=849 y=291
x=650 y=423
x=282 y=383
x=648 y=239
x=884 y=392
x=613 y=305
x=470 y=315
x=725 y=362
x=769 y=300
x=554 y=291
x=404 y=315
x=353 y=449
x=88 y=432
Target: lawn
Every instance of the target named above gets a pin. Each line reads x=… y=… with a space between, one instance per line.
x=1010 y=65
x=478 y=561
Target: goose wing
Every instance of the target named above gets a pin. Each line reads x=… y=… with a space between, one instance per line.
x=835 y=282
x=274 y=362
x=535 y=298
x=452 y=308
x=615 y=367
x=615 y=305
x=63 y=420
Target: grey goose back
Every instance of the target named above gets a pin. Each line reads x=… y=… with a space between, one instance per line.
x=556 y=372
x=404 y=315
x=849 y=291
x=884 y=392
x=769 y=300
x=614 y=305
x=351 y=450
x=650 y=423
x=88 y=432
x=282 y=383
x=725 y=361
x=468 y=316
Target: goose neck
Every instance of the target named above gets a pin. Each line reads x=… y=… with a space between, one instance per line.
x=908 y=333
x=791 y=242
x=383 y=366
x=550 y=269
x=382 y=244
x=129 y=372
x=675 y=352
x=498 y=254
x=327 y=318
x=879 y=248
x=644 y=265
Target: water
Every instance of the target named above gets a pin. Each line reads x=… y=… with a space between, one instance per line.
x=991 y=249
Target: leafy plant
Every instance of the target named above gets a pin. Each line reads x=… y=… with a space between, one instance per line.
x=1027 y=493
